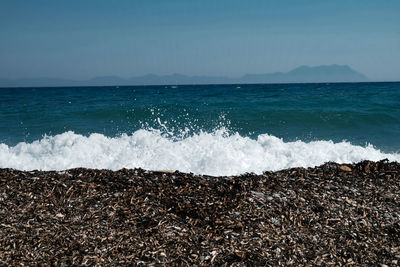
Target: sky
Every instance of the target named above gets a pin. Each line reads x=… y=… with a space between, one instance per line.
x=81 y=39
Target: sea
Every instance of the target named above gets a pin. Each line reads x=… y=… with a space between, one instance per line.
x=216 y=130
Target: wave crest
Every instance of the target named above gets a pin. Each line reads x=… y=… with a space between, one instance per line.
x=216 y=153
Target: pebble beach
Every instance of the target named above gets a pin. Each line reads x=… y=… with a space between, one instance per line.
x=328 y=215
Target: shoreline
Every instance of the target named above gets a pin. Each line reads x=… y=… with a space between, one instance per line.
x=331 y=214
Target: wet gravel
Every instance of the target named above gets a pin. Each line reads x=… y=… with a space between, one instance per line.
x=328 y=215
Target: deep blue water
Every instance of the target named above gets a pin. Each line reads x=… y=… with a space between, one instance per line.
x=360 y=113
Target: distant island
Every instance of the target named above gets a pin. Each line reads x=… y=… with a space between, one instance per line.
x=302 y=74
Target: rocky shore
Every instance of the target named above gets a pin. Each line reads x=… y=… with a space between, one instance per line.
x=328 y=215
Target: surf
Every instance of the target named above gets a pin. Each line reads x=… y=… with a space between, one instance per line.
x=217 y=153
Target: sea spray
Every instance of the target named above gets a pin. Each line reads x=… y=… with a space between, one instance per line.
x=212 y=153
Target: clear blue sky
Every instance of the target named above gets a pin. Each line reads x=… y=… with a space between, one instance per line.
x=79 y=39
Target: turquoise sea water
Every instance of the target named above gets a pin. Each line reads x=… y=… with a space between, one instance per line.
x=358 y=114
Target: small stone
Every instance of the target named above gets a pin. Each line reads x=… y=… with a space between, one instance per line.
x=275 y=222
x=345 y=168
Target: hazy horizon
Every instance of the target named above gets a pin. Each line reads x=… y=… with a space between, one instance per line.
x=80 y=40
x=302 y=74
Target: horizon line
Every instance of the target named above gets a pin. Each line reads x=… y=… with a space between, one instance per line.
x=195 y=84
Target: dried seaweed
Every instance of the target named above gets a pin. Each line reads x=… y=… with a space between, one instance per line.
x=328 y=215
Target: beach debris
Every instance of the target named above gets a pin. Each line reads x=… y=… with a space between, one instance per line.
x=328 y=215
x=345 y=168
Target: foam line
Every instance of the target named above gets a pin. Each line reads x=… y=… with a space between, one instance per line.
x=216 y=153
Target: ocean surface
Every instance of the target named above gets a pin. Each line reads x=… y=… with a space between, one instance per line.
x=204 y=129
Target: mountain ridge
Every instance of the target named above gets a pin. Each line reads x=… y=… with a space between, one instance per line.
x=301 y=74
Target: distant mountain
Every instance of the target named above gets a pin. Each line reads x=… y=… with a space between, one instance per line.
x=306 y=74
x=302 y=74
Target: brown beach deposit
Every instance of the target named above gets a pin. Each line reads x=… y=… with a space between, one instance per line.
x=328 y=215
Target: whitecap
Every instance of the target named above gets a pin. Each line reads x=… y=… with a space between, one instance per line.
x=217 y=153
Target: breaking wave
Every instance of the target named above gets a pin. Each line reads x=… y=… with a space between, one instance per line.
x=218 y=153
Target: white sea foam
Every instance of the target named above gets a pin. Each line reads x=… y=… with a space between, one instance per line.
x=216 y=153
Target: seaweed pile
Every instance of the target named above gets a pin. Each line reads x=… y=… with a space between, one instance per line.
x=328 y=215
